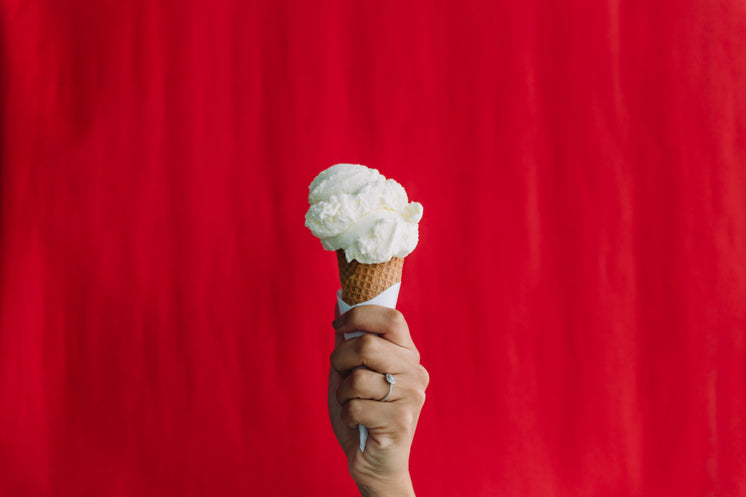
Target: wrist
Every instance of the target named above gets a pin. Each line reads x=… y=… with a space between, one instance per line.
x=389 y=488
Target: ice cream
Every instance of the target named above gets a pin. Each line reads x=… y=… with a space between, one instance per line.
x=356 y=209
x=370 y=222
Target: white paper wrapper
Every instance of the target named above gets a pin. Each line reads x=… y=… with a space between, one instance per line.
x=388 y=299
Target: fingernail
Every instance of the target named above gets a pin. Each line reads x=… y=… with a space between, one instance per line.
x=339 y=321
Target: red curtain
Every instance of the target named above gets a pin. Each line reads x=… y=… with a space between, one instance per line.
x=577 y=295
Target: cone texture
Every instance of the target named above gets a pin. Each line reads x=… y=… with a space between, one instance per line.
x=361 y=282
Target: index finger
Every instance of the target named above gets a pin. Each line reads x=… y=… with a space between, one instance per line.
x=387 y=323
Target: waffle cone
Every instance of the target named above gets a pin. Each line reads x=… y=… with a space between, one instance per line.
x=361 y=282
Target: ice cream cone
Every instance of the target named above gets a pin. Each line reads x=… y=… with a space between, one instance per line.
x=362 y=282
x=358 y=212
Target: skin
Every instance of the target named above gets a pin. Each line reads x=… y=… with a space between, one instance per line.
x=354 y=398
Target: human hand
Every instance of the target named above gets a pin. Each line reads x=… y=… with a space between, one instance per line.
x=355 y=397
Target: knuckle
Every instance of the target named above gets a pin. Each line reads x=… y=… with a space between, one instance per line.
x=396 y=320
x=419 y=398
x=353 y=408
x=424 y=376
x=333 y=359
x=404 y=422
x=367 y=345
x=352 y=315
x=416 y=355
x=358 y=380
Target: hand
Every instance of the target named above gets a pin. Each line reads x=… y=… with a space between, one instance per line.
x=355 y=397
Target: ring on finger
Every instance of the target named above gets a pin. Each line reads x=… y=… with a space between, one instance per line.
x=391 y=381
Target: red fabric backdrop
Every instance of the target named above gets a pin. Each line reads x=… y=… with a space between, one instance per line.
x=578 y=291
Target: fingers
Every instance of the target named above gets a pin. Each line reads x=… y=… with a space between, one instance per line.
x=391 y=418
x=388 y=323
x=372 y=352
x=366 y=384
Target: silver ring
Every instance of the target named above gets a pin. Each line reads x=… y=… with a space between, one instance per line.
x=390 y=380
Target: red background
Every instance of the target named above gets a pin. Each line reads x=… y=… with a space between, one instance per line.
x=578 y=291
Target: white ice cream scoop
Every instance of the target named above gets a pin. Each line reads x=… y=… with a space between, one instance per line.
x=357 y=209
